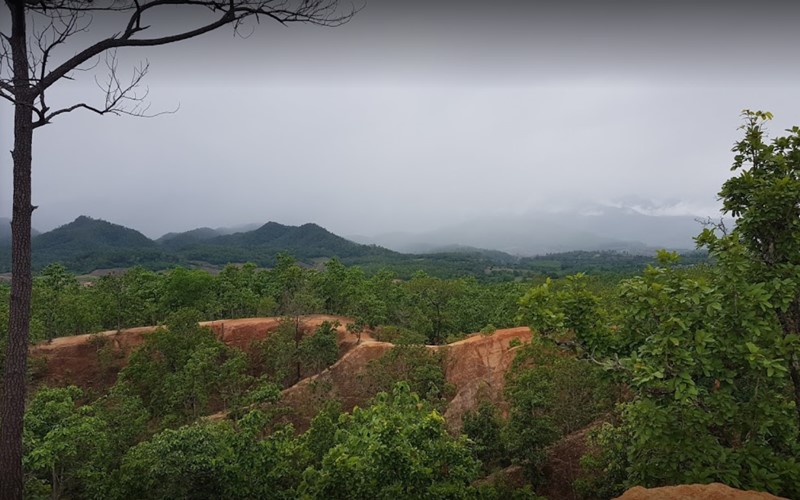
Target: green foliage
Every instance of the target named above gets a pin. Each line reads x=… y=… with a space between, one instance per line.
x=551 y=394
x=321 y=434
x=484 y=427
x=565 y=307
x=128 y=299
x=59 y=306
x=399 y=336
x=433 y=300
x=214 y=460
x=397 y=448
x=710 y=379
x=180 y=371
x=320 y=349
x=713 y=354
x=419 y=367
x=196 y=461
x=289 y=353
x=188 y=289
x=278 y=359
x=67 y=445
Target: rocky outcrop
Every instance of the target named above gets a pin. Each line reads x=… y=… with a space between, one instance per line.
x=476 y=366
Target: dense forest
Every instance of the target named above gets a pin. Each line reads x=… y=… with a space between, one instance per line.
x=681 y=373
x=86 y=245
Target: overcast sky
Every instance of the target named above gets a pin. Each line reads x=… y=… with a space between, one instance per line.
x=411 y=117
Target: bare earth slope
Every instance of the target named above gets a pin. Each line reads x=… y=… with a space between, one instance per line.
x=92 y=361
x=475 y=366
x=714 y=491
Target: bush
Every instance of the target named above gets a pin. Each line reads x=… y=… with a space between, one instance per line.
x=551 y=394
x=420 y=367
x=399 y=335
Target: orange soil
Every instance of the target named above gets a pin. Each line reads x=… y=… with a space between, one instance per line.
x=475 y=366
x=714 y=491
x=92 y=361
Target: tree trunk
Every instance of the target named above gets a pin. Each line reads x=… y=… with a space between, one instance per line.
x=794 y=372
x=12 y=408
x=790 y=324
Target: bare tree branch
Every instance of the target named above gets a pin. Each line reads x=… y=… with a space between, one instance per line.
x=8 y=97
x=318 y=12
x=120 y=99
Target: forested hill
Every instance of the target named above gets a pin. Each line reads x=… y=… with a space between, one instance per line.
x=88 y=244
x=306 y=243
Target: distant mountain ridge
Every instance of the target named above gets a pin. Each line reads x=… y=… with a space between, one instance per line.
x=87 y=244
x=612 y=229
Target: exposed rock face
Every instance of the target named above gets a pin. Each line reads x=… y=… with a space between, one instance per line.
x=714 y=491
x=339 y=381
x=476 y=366
x=92 y=361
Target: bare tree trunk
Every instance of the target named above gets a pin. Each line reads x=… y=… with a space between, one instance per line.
x=12 y=408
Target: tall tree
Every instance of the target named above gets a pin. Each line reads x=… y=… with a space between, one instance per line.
x=765 y=199
x=28 y=69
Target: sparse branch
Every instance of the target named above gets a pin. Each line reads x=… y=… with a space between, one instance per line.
x=318 y=12
x=5 y=62
x=713 y=224
x=120 y=99
x=8 y=97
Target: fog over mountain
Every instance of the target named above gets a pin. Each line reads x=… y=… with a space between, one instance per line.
x=593 y=228
x=435 y=118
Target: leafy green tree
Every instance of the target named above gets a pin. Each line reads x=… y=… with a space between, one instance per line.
x=419 y=367
x=320 y=349
x=238 y=291
x=550 y=393
x=180 y=370
x=131 y=298
x=765 y=200
x=278 y=354
x=189 y=289
x=434 y=299
x=67 y=445
x=60 y=305
x=711 y=390
x=484 y=426
x=396 y=448
x=195 y=461
x=564 y=306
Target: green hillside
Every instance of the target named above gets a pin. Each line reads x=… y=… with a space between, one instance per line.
x=88 y=244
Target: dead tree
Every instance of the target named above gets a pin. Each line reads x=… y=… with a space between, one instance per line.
x=34 y=34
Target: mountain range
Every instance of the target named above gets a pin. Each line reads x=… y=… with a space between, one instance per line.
x=606 y=229
x=87 y=244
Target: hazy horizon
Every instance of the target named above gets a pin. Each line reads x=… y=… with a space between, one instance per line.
x=412 y=118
